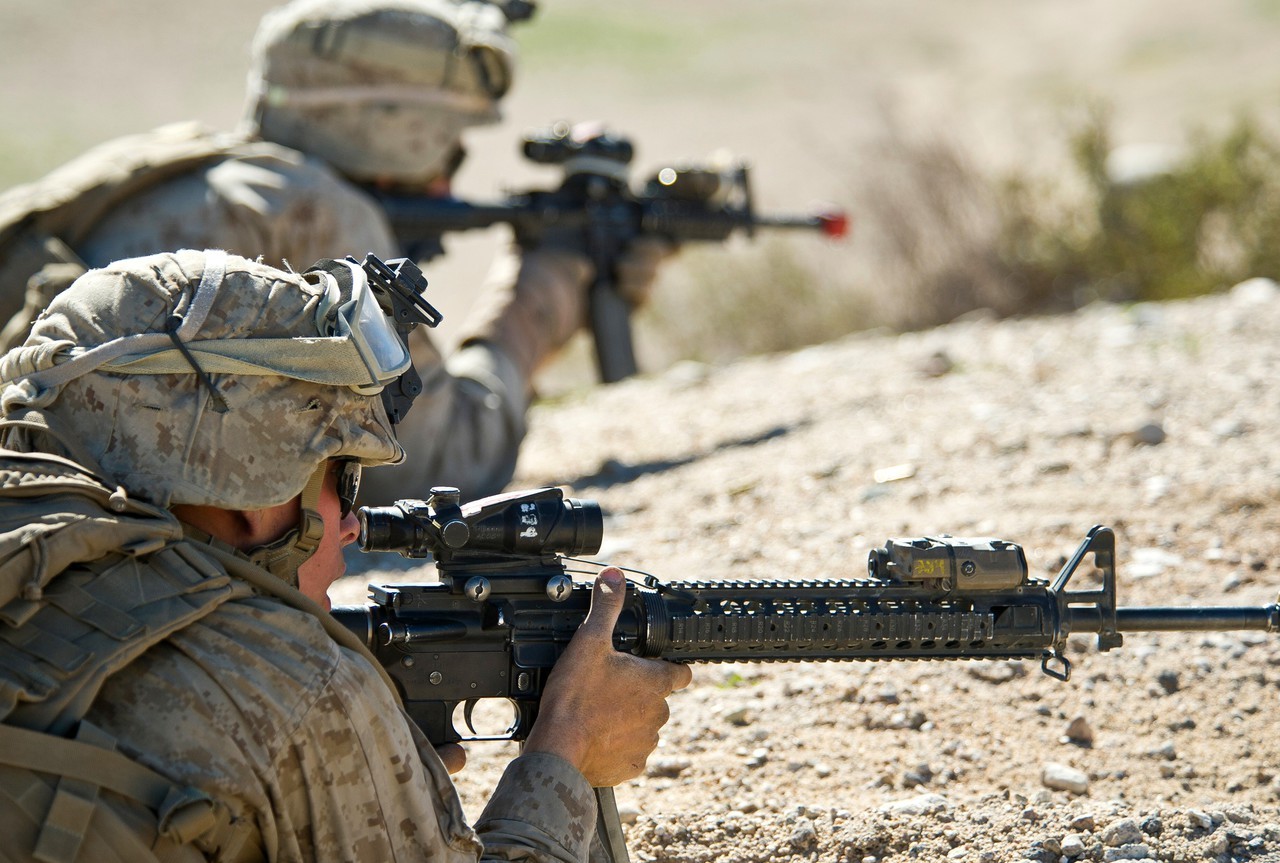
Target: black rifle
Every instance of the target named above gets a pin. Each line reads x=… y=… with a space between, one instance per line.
x=505 y=608
x=680 y=204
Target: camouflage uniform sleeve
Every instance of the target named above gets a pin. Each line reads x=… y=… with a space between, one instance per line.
x=465 y=430
x=367 y=801
x=543 y=810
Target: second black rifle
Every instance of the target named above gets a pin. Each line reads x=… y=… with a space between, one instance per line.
x=680 y=204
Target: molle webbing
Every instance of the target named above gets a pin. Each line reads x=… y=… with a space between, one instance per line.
x=93 y=620
x=90 y=621
x=57 y=514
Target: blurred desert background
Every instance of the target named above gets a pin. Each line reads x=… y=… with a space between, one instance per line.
x=899 y=112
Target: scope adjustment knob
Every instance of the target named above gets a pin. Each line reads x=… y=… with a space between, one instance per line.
x=455 y=533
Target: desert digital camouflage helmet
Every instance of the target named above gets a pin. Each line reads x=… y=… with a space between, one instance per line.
x=379 y=89
x=205 y=378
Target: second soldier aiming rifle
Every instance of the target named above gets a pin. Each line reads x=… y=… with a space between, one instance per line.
x=506 y=606
x=680 y=204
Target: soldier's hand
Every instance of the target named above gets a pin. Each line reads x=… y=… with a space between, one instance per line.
x=637 y=267
x=602 y=709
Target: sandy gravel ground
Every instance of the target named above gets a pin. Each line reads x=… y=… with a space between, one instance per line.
x=1162 y=421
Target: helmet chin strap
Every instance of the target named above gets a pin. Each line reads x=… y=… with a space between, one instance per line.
x=287 y=554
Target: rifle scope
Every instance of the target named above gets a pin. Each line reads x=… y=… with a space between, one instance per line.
x=536 y=522
x=557 y=145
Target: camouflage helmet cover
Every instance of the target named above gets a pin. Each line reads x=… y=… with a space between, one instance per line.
x=380 y=89
x=157 y=433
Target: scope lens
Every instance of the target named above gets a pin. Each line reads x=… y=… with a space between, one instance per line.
x=585 y=524
x=362 y=515
x=385 y=528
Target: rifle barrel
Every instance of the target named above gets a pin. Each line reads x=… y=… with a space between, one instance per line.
x=831 y=222
x=1155 y=619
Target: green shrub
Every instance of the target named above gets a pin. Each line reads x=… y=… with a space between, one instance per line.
x=1201 y=224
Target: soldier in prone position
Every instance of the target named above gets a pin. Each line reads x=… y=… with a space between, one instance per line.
x=183 y=436
x=343 y=95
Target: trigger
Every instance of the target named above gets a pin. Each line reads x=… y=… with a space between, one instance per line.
x=467 y=709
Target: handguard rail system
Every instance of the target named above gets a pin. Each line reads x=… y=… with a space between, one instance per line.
x=505 y=608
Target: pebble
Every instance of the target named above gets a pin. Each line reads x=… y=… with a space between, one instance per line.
x=1255 y=292
x=1079 y=732
x=997 y=671
x=893 y=473
x=687 y=373
x=1131 y=851
x=958 y=853
x=886 y=695
x=908 y=719
x=1155 y=488
x=1082 y=823
x=1061 y=777
x=1169 y=681
x=925 y=804
x=1122 y=832
x=1147 y=434
x=668 y=768
x=1228 y=427
x=1072 y=845
x=938 y=364
x=805 y=835
x=921 y=774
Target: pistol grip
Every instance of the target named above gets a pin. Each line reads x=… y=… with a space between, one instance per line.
x=611 y=331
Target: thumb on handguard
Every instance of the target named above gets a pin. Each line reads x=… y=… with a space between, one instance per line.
x=607 y=599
